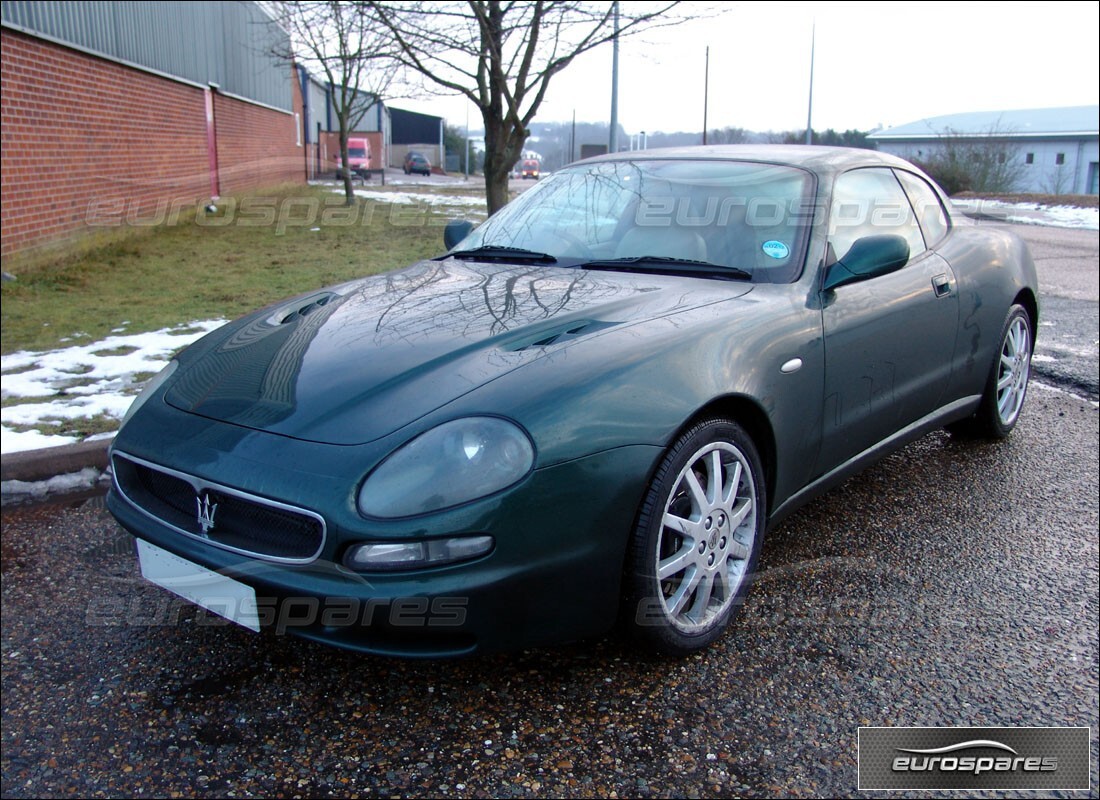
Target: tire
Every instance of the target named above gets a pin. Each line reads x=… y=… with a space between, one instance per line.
x=696 y=542
x=1006 y=386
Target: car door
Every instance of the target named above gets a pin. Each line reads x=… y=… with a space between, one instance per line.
x=889 y=340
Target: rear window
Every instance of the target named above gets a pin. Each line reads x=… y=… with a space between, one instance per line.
x=930 y=214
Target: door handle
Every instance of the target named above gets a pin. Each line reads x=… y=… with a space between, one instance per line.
x=941 y=285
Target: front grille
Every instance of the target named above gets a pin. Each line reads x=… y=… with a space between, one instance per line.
x=234 y=520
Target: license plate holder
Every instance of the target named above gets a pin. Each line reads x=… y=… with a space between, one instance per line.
x=213 y=591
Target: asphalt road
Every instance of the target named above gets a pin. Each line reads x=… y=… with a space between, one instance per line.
x=1067 y=352
x=954 y=583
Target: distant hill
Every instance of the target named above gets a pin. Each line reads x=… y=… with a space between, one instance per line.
x=551 y=140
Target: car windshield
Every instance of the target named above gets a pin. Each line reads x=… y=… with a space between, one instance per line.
x=734 y=214
x=357 y=152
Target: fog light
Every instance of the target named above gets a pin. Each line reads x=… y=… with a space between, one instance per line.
x=413 y=555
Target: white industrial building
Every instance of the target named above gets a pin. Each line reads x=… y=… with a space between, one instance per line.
x=1057 y=148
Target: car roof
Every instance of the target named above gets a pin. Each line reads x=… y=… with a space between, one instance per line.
x=821 y=160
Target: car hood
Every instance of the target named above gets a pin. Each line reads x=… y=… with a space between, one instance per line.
x=353 y=364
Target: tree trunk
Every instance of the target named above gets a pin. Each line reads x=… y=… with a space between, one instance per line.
x=503 y=146
x=349 y=193
x=496 y=187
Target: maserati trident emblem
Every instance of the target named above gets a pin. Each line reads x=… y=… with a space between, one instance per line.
x=207 y=510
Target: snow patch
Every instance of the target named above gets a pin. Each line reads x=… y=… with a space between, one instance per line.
x=419 y=198
x=83 y=381
x=21 y=491
x=12 y=441
x=1033 y=213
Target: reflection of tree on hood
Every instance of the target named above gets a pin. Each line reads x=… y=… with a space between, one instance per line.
x=250 y=378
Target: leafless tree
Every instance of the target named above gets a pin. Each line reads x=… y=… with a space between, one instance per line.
x=502 y=56
x=728 y=135
x=1057 y=182
x=986 y=162
x=353 y=52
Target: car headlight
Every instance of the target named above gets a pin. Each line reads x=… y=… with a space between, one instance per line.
x=150 y=389
x=452 y=464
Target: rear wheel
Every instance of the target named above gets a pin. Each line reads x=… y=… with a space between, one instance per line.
x=1006 y=387
x=697 y=539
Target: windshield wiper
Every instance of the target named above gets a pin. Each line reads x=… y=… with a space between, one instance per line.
x=668 y=264
x=493 y=252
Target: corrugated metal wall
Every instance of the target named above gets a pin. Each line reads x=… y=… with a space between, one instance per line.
x=204 y=41
x=320 y=110
x=316 y=98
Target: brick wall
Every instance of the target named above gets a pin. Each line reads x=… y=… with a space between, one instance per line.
x=256 y=146
x=86 y=144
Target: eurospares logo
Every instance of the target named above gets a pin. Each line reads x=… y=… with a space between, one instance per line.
x=950 y=759
x=974 y=758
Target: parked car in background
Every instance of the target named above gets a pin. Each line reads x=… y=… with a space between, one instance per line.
x=590 y=409
x=417 y=163
x=359 y=158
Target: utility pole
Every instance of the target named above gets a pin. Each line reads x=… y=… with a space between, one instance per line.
x=467 y=160
x=706 y=92
x=613 y=141
x=810 y=108
x=573 y=140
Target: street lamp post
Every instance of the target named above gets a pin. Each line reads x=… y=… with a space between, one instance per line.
x=810 y=106
x=613 y=141
x=706 y=92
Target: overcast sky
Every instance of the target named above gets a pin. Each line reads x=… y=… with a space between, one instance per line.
x=875 y=64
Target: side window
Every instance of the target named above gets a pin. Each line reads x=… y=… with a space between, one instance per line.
x=870 y=202
x=930 y=213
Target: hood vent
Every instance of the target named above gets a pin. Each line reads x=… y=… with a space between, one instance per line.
x=559 y=335
x=288 y=315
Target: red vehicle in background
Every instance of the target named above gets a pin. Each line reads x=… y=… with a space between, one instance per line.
x=359 y=158
x=531 y=168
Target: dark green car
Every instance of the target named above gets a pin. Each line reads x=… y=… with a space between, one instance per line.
x=590 y=409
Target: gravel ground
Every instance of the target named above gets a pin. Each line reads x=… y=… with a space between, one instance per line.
x=952 y=584
x=1067 y=349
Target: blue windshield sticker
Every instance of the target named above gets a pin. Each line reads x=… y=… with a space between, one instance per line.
x=775 y=249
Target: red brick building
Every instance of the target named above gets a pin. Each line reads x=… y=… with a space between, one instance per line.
x=116 y=113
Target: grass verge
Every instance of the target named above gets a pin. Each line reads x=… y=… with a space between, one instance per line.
x=255 y=250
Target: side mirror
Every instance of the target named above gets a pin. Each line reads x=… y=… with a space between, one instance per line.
x=456 y=231
x=869 y=257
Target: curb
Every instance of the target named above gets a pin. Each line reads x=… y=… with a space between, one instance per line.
x=41 y=465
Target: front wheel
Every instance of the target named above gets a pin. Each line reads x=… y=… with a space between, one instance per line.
x=697 y=539
x=1006 y=386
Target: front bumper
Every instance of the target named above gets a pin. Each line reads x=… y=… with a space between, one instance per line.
x=554 y=573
